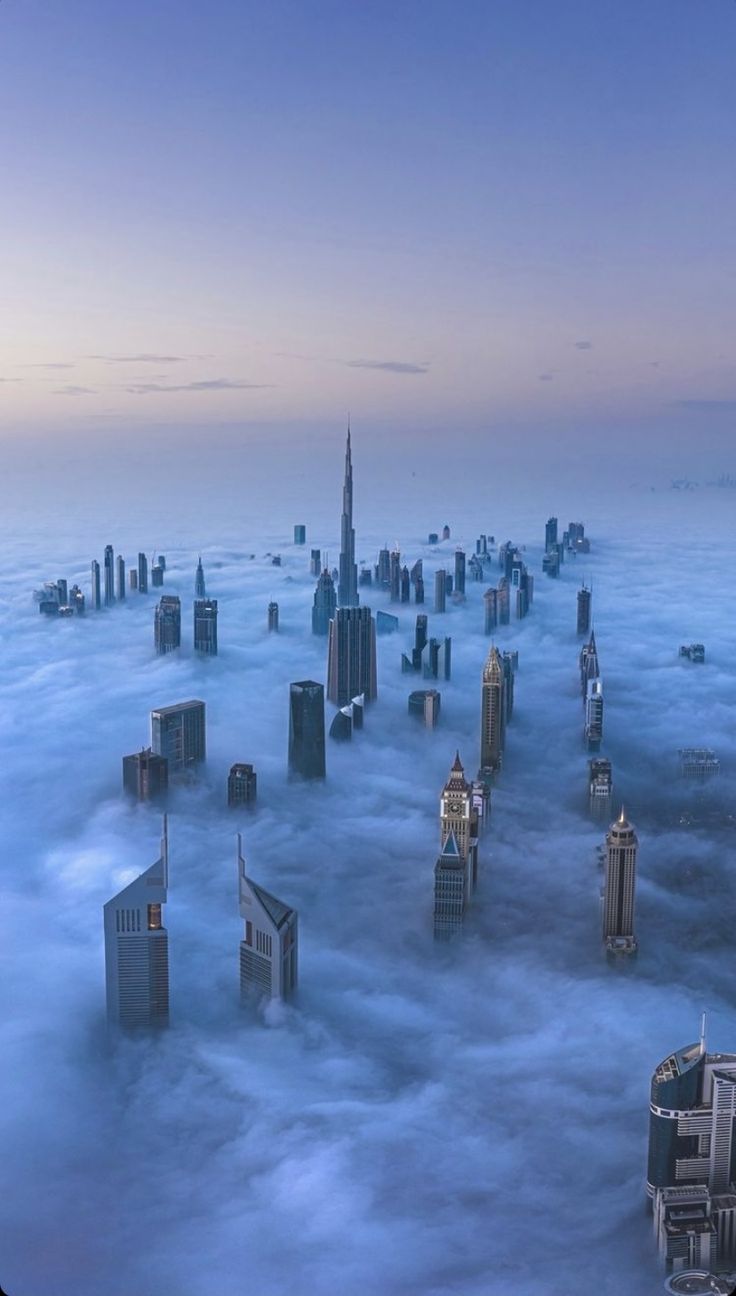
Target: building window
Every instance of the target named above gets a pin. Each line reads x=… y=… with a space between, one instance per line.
x=248 y=932
x=154 y=917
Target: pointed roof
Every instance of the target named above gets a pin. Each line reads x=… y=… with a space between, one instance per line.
x=277 y=911
x=457 y=763
x=451 y=850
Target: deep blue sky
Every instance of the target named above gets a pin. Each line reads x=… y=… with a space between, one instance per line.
x=289 y=195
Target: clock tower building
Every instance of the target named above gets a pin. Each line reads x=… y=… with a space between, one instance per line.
x=459 y=816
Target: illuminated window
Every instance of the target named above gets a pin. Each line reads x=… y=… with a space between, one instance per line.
x=154 y=917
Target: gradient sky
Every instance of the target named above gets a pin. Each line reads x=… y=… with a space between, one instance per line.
x=515 y=210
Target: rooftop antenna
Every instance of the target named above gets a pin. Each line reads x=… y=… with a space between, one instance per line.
x=703 y=1017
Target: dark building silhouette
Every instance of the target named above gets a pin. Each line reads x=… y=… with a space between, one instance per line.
x=419 y=590
x=300 y=534
x=550 y=534
x=167 y=624
x=242 y=786
x=109 y=576
x=142 y=574
x=424 y=705
x=459 y=571
x=325 y=603
x=618 y=896
x=145 y=775
x=383 y=569
x=121 y=578
x=347 y=595
x=445 y=532
x=395 y=577
x=273 y=617
x=405 y=585
x=96 y=595
x=351 y=666
x=503 y=601
x=365 y=576
x=493 y=713
x=307 y=729
x=584 y=605
x=200 y=591
x=315 y=562
x=491 y=610
x=133 y=579
x=157 y=575
x=178 y=733
x=205 y=626
x=341 y=729
x=386 y=622
x=437 y=659
x=440 y=590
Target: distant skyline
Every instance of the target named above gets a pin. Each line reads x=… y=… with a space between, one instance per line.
x=514 y=211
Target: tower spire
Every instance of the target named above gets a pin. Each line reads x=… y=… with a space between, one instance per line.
x=347 y=595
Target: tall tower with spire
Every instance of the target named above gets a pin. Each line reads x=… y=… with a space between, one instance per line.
x=459 y=817
x=199 y=587
x=622 y=845
x=347 y=589
x=493 y=711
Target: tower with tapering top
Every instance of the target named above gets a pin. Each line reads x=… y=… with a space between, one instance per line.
x=200 y=591
x=137 y=948
x=493 y=713
x=622 y=844
x=347 y=587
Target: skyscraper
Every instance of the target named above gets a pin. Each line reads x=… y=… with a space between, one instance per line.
x=593 y=731
x=199 y=586
x=142 y=574
x=109 y=576
x=315 y=562
x=347 y=595
x=584 y=601
x=491 y=610
x=459 y=571
x=205 y=626
x=307 y=729
x=273 y=617
x=137 y=949
x=550 y=534
x=459 y=817
x=145 y=775
x=493 y=712
x=351 y=667
x=167 y=624
x=588 y=661
x=424 y=705
x=692 y=1158
x=121 y=577
x=269 y=948
x=618 y=896
x=96 y=596
x=440 y=590
x=178 y=733
x=395 y=576
x=600 y=786
x=325 y=602
x=450 y=890
x=242 y=786
x=300 y=534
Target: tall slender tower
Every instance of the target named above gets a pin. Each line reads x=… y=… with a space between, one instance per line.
x=269 y=948
x=618 y=897
x=458 y=815
x=351 y=658
x=137 y=948
x=347 y=590
x=199 y=587
x=493 y=705
x=109 y=576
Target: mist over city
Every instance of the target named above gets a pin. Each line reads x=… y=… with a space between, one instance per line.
x=367 y=395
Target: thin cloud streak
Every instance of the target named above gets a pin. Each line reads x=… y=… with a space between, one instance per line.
x=388 y=366
x=204 y=385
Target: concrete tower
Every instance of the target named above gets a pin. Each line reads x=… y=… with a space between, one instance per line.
x=347 y=592
x=493 y=712
x=137 y=949
x=618 y=896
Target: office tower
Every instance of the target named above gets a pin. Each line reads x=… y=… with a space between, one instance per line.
x=405 y=585
x=510 y=662
x=315 y=562
x=600 y=787
x=365 y=576
x=437 y=659
x=448 y=582
x=433 y=538
x=162 y=562
x=420 y=639
x=167 y=624
x=383 y=569
x=475 y=567
x=121 y=578
x=341 y=728
x=49 y=599
x=692 y=1159
x=593 y=732
x=178 y=733
x=269 y=949
x=300 y=534
x=145 y=775
x=618 y=896
x=276 y=560
x=576 y=539
x=419 y=590
x=450 y=890
x=357 y=711
x=491 y=610
x=205 y=626
x=588 y=662
x=109 y=576
x=424 y=705
x=694 y=652
x=307 y=729
x=96 y=595
x=62 y=587
x=273 y=617
x=142 y=574
x=698 y=763
x=481 y=546
x=481 y=794
x=242 y=786
x=137 y=949
x=550 y=533
x=459 y=819
x=199 y=586
x=584 y=601
x=493 y=711
x=445 y=532
x=395 y=576
x=325 y=603
x=157 y=575
x=76 y=600
x=551 y=563
x=351 y=664
x=133 y=579
x=503 y=601
x=347 y=594
x=417 y=571
x=459 y=571
x=440 y=590
x=386 y=623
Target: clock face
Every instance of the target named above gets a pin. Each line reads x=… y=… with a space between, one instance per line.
x=454 y=807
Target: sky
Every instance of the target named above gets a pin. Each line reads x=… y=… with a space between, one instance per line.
x=424 y=1119
x=511 y=216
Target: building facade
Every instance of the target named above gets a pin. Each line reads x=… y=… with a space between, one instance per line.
x=145 y=775
x=493 y=713
x=269 y=950
x=205 y=626
x=351 y=665
x=137 y=949
x=167 y=624
x=178 y=733
x=622 y=845
x=307 y=729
